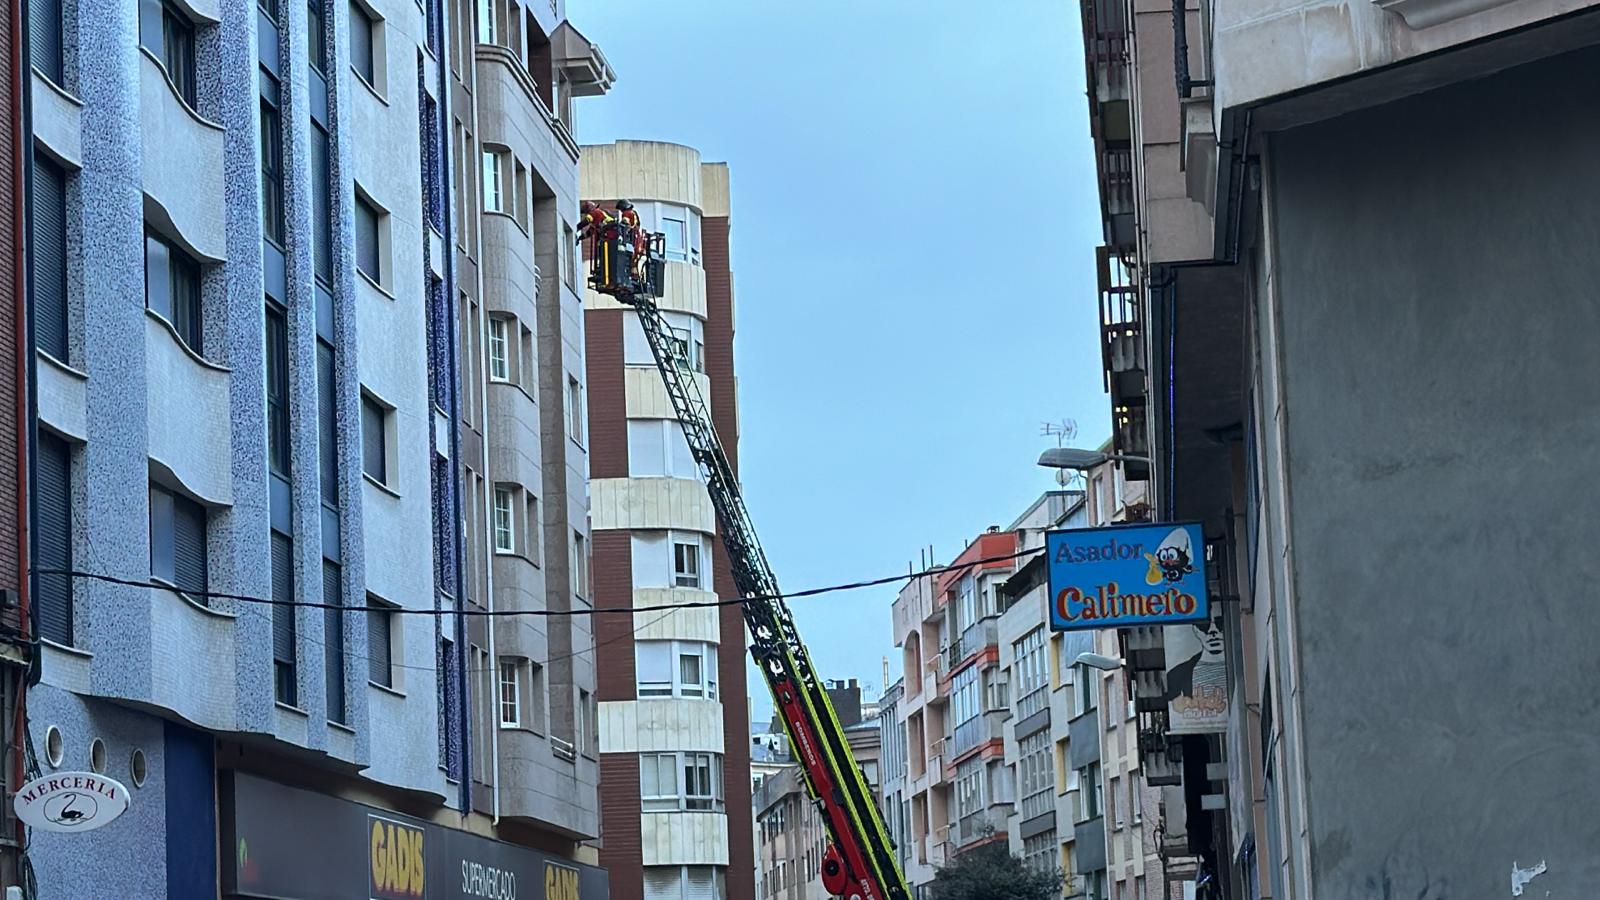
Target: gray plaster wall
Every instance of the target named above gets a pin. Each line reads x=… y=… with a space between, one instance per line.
x=1438 y=292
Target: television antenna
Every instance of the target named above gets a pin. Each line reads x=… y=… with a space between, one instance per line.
x=1062 y=430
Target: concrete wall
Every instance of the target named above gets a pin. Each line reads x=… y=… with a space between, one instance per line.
x=1436 y=293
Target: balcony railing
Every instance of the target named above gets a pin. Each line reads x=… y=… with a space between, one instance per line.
x=1122 y=349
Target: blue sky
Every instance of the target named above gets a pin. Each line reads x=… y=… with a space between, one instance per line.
x=914 y=223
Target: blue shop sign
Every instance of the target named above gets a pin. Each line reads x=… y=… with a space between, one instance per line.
x=1124 y=575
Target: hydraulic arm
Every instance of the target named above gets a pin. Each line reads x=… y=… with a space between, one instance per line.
x=860 y=864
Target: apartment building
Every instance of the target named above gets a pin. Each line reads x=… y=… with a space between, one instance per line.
x=275 y=422
x=1042 y=825
x=522 y=440
x=674 y=750
x=893 y=803
x=1321 y=221
x=954 y=705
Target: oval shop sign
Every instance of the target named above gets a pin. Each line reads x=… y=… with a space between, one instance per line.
x=71 y=801
x=1121 y=575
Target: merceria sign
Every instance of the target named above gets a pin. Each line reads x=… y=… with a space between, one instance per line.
x=1124 y=575
x=71 y=801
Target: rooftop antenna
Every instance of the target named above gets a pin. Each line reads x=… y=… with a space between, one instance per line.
x=1063 y=431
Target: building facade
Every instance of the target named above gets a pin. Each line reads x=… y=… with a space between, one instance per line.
x=674 y=749
x=522 y=435
x=1295 y=201
x=251 y=473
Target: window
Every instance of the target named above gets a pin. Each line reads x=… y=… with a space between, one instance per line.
x=49 y=233
x=588 y=729
x=1133 y=800
x=530 y=529
x=271 y=160
x=1091 y=797
x=1039 y=852
x=676 y=669
x=172 y=287
x=284 y=654
x=270 y=8
x=488 y=33
x=669 y=782
x=970 y=787
x=178 y=542
x=1031 y=677
x=381 y=638
x=688 y=335
x=333 y=640
x=277 y=390
x=166 y=32
x=580 y=565
x=1036 y=774
x=964 y=695
x=510 y=693
x=527 y=373
x=686 y=564
x=569 y=268
x=677 y=234
x=327 y=426
x=364 y=48
x=374 y=440
x=493 y=195
x=519 y=198
x=574 y=409
x=1112 y=806
x=317 y=36
x=321 y=205
x=694 y=237
x=499 y=367
x=967 y=603
x=657 y=448
x=504 y=528
x=369 y=250
x=1088 y=688
x=52 y=502
x=45 y=44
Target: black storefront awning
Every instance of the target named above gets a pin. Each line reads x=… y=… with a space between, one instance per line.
x=292 y=844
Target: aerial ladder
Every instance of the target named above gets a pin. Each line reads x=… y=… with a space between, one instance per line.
x=860 y=862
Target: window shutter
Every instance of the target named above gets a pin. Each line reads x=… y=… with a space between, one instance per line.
x=53 y=511
x=378 y=644
x=663 y=884
x=333 y=641
x=189 y=548
x=282 y=592
x=44 y=34
x=701 y=884
x=49 y=249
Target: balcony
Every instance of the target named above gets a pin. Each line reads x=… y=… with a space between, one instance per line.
x=1106 y=42
x=939 y=769
x=985 y=633
x=1117 y=199
x=1122 y=352
x=979 y=730
x=984 y=823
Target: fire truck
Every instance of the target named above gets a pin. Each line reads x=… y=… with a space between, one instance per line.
x=860 y=862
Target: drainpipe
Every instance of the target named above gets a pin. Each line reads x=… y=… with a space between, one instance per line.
x=1180 y=40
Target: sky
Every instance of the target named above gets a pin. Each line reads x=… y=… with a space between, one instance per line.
x=914 y=219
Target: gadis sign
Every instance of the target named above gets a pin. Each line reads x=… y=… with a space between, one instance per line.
x=71 y=801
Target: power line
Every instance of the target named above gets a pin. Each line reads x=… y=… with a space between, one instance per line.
x=545 y=613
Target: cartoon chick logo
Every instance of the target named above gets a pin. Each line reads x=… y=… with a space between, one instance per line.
x=1172 y=560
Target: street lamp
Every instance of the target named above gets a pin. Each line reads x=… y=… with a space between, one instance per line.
x=1083 y=460
x=1099 y=661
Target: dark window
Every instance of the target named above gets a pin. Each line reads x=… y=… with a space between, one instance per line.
x=44 y=37
x=317 y=37
x=277 y=390
x=50 y=256
x=172 y=287
x=52 y=498
x=327 y=425
x=321 y=201
x=380 y=637
x=368 y=258
x=283 y=654
x=178 y=542
x=271 y=160
x=333 y=640
x=374 y=447
x=361 y=49
x=270 y=7
x=166 y=32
